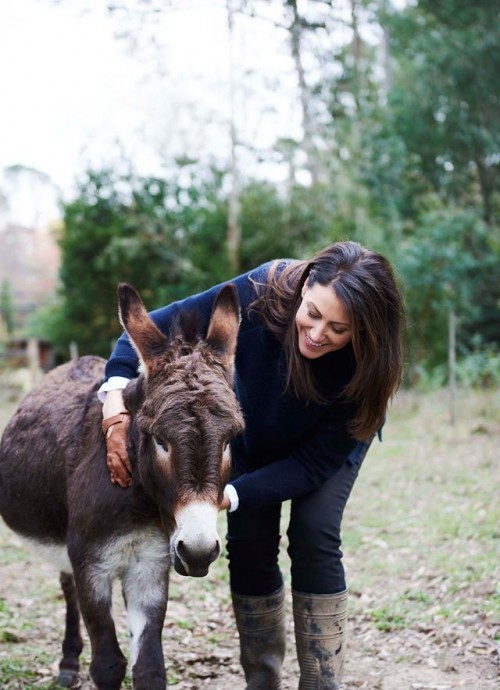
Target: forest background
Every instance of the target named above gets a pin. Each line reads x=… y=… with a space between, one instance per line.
x=397 y=147
x=399 y=150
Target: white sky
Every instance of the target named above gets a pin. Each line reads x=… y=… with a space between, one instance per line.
x=71 y=94
x=61 y=76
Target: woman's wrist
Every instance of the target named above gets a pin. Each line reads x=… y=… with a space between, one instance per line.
x=230 y=501
x=113 y=404
x=112 y=384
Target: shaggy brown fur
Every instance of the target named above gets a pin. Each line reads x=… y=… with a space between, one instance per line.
x=55 y=488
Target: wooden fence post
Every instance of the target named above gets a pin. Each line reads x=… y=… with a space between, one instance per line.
x=452 y=364
x=33 y=356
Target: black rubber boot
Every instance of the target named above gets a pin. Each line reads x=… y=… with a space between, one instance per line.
x=261 y=626
x=320 y=636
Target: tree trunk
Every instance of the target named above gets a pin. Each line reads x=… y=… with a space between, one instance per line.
x=233 y=237
x=356 y=54
x=308 y=127
x=486 y=177
x=452 y=365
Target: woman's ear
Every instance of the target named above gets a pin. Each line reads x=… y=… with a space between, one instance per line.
x=305 y=287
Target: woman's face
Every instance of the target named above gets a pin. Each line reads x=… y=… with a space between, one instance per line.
x=322 y=322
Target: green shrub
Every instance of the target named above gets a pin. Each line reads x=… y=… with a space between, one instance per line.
x=480 y=368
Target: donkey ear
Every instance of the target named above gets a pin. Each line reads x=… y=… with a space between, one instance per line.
x=144 y=335
x=134 y=393
x=224 y=323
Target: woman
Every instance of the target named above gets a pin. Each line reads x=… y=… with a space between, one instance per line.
x=317 y=361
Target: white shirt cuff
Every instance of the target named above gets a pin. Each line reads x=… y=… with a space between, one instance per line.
x=114 y=383
x=232 y=494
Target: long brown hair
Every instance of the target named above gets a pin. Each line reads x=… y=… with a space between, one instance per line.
x=364 y=282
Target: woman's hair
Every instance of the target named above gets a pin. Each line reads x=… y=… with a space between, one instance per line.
x=364 y=282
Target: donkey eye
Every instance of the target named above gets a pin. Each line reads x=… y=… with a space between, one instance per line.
x=160 y=442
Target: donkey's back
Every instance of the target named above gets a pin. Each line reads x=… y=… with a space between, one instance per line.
x=41 y=447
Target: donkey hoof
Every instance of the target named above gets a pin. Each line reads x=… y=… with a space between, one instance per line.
x=69 y=679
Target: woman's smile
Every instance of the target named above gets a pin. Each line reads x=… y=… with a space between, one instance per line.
x=311 y=343
x=322 y=322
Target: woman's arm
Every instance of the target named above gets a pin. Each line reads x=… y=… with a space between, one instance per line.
x=113 y=403
x=305 y=469
x=124 y=362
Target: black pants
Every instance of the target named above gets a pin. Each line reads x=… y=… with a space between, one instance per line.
x=313 y=535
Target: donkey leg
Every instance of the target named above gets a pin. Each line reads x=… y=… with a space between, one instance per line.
x=72 y=643
x=146 y=593
x=108 y=664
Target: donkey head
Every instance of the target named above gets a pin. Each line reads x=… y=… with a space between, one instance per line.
x=186 y=414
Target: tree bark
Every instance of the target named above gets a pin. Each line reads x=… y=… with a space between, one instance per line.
x=308 y=127
x=233 y=237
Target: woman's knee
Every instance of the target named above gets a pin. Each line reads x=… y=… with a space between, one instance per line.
x=316 y=566
x=253 y=567
x=314 y=537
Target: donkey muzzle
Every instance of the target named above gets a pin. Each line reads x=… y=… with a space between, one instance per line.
x=195 y=544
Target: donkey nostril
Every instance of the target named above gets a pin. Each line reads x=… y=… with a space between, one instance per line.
x=214 y=554
x=182 y=550
x=193 y=555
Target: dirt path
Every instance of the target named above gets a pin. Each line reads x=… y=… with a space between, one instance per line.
x=422 y=554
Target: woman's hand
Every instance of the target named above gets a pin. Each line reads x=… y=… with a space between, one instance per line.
x=226 y=503
x=115 y=425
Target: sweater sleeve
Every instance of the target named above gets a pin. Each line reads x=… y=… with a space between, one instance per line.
x=124 y=361
x=310 y=465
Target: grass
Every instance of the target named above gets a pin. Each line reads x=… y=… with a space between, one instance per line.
x=421 y=543
x=426 y=515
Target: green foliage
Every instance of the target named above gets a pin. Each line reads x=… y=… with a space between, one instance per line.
x=274 y=226
x=129 y=229
x=448 y=266
x=480 y=368
x=445 y=100
x=409 y=167
x=165 y=238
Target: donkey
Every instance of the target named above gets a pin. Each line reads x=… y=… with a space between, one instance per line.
x=55 y=489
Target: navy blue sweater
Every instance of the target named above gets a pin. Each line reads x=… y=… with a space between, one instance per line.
x=289 y=446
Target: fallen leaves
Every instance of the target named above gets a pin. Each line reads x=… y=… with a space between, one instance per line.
x=421 y=545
